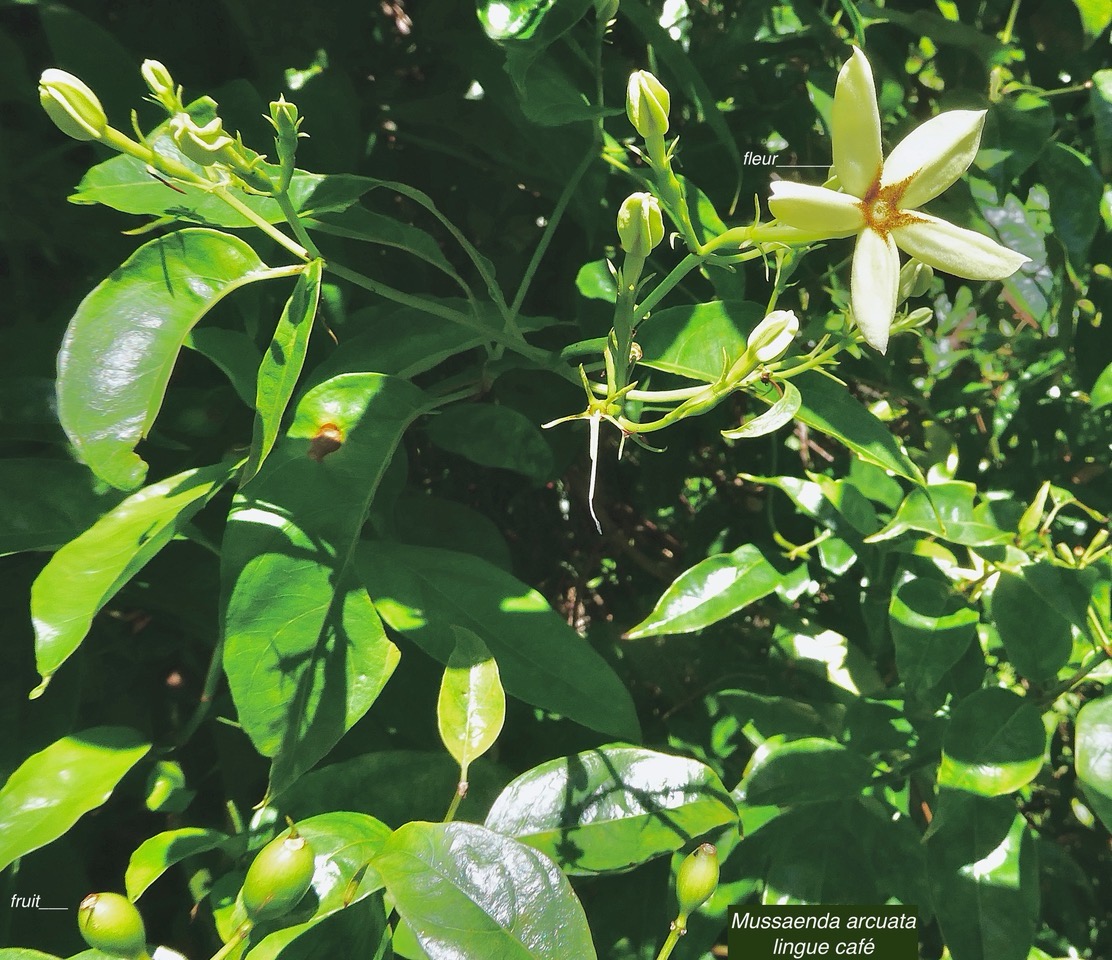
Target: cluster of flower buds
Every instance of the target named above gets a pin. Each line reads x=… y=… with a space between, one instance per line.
x=76 y=111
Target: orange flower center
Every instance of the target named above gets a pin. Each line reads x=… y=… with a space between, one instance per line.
x=881 y=207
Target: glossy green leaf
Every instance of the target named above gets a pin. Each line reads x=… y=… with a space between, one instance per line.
x=421 y=592
x=307 y=661
x=595 y=281
x=1035 y=634
x=786 y=772
x=983 y=875
x=836 y=504
x=88 y=571
x=1101 y=394
x=47 y=503
x=612 y=808
x=698 y=340
x=511 y=19
x=781 y=412
x=932 y=626
x=472 y=704
x=18 y=953
x=710 y=591
x=52 y=789
x=470 y=892
x=395 y=786
x=994 y=744
x=493 y=436
x=282 y=362
x=154 y=856
x=427 y=521
x=121 y=345
x=829 y=408
x=944 y=510
x=344 y=847
x=1092 y=755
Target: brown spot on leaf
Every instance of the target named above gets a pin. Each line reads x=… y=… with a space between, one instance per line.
x=328 y=440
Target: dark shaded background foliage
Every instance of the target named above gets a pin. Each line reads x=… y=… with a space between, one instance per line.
x=389 y=104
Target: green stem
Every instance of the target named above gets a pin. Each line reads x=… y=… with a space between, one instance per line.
x=550 y=230
x=454 y=805
x=1009 y=27
x=679 y=927
x=655 y=396
x=238 y=937
x=268 y=228
x=208 y=691
x=662 y=289
x=1099 y=657
x=299 y=231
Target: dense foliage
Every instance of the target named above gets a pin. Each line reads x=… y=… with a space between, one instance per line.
x=334 y=650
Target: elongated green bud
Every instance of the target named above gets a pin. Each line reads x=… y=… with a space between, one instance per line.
x=697 y=879
x=110 y=923
x=647 y=104
x=287 y=124
x=72 y=106
x=915 y=279
x=773 y=335
x=640 y=224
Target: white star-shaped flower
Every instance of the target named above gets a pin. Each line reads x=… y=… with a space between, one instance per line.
x=881 y=199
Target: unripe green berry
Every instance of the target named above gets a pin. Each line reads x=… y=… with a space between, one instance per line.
x=697 y=878
x=279 y=877
x=110 y=923
x=647 y=104
x=72 y=106
x=640 y=224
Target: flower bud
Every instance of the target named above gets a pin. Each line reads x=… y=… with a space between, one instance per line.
x=72 y=106
x=286 y=122
x=640 y=224
x=647 y=103
x=161 y=85
x=111 y=924
x=773 y=335
x=697 y=878
x=915 y=279
x=203 y=145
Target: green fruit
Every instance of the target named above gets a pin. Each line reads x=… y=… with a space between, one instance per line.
x=110 y=923
x=697 y=878
x=279 y=877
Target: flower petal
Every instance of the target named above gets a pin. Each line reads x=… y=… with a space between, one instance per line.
x=934 y=155
x=955 y=250
x=874 y=282
x=855 y=126
x=815 y=209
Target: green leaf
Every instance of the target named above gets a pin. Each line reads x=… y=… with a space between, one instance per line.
x=932 y=627
x=472 y=704
x=281 y=365
x=493 y=436
x=697 y=340
x=121 y=345
x=154 y=856
x=1101 y=394
x=943 y=510
x=836 y=504
x=511 y=19
x=306 y=661
x=421 y=592
x=358 y=931
x=53 y=788
x=1095 y=16
x=1092 y=749
x=233 y=352
x=470 y=892
x=595 y=282
x=810 y=770
x=1034 y=632
x=829 y=408
x=88 y=571
x=344 y=847
x=780 y=413
x=1100 y=102
x=983 y=876
x=1075 y=190
x=612 y=808
x=994 y=744
x=47 y=503
x=19 y=953
x=710 y=591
